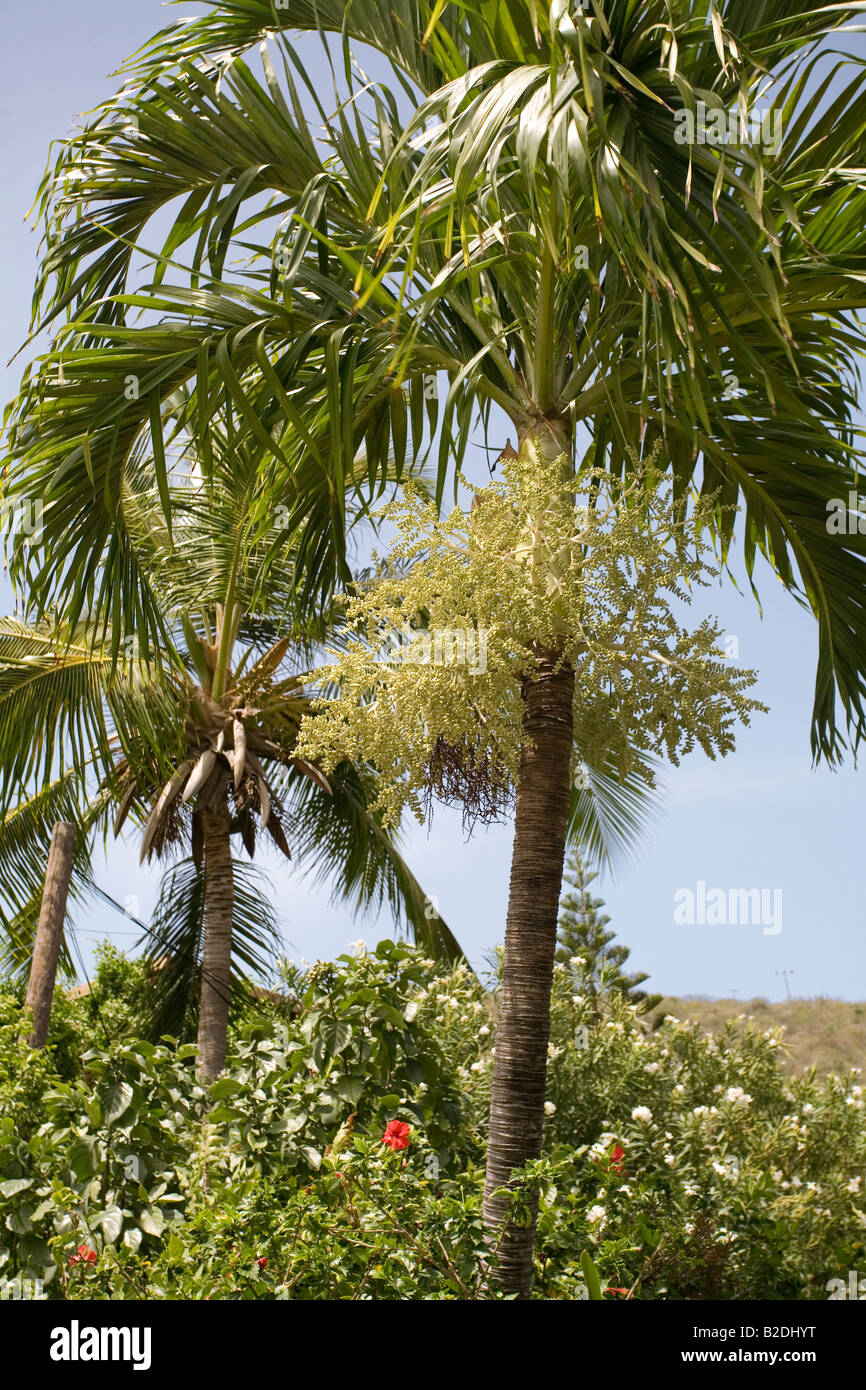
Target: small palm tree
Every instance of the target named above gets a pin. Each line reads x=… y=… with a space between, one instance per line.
x=195 y=743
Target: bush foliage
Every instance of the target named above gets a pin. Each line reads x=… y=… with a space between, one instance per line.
x=677 y=1165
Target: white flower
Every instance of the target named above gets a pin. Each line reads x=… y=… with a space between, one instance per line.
x=577 y=999
x=737 y=1096
x=796 y=1182
x=553 y=1052
x=701 y=1110
x=596 y=1213
x=602 y=1144
x=642 y=1112
x=477 y=1066
x=549 y=1107
x=670 y=1160
x=653 y=1067
x=679 y=1089
x=854 y=1184
x=359 y=947
x=577 y=962
x=808 y=1108
x=484 y=1031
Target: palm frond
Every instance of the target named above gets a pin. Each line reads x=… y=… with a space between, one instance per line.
x=173 y=945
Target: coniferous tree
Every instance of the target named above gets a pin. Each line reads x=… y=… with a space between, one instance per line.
x=585 y=944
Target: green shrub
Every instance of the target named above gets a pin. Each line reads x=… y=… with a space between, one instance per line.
x=676 y=1164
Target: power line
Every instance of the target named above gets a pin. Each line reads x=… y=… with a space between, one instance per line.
x=91 y=994
x=190 y=955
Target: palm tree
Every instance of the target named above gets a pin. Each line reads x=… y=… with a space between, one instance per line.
x=197 y=744
x=520 y=213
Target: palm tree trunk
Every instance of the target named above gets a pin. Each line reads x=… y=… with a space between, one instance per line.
x=49 y=932
x=217 y=954
x=523 y=1030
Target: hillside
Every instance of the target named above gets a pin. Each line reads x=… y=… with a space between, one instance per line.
x=829 y=1034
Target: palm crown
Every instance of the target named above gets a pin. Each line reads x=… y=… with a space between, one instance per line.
x=533 y=228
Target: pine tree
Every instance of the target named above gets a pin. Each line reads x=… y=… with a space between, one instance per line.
x=585 y=944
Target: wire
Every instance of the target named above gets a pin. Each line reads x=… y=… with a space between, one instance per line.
x=91 y=994
x=191 y=955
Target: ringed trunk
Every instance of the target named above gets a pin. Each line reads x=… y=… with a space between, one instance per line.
x=523 y=1030
x=217 y=953
x=49 y=932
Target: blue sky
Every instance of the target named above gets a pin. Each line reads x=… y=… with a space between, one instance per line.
x=761 y=818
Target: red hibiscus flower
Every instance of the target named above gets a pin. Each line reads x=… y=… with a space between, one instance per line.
x=83 y=1256
x=262 y=1262
x=396 y=1135
x=614 y=1163
x=610 y=1289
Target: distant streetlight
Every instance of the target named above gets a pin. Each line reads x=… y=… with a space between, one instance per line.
x=785 y=974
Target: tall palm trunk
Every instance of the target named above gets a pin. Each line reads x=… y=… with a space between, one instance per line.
x=217 y=954
x=523 y=1030
x=537 y=861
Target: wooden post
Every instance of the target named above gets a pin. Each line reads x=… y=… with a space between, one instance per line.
x=49 y=933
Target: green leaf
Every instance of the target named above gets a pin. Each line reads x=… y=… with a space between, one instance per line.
x=293 y=1123
x=152 y=1221
x=226 y=1086
x=116 y=1100
x=13 y=1186
x=84 y=1158
x=335 y=1035
x=158 y=443
x=590 y=1274
x=111 y=1221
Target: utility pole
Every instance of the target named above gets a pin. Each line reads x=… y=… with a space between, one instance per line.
x=734 y=993
x=49 y=933
x=785 y=974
